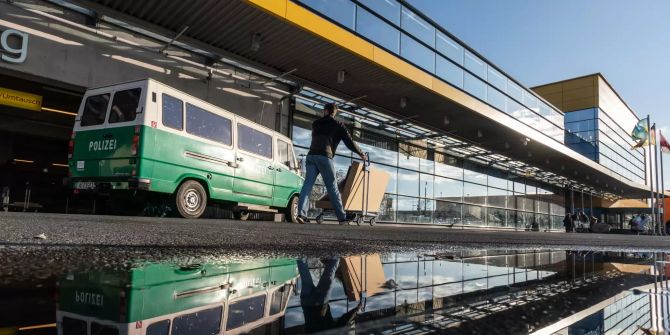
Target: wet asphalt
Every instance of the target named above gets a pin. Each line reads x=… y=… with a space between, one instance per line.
x=38 y=244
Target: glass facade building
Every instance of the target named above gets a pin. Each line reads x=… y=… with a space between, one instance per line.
x=430 y=186
x=594 y=134
x=400 y=30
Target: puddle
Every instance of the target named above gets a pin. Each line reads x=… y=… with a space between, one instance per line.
x=454 y=292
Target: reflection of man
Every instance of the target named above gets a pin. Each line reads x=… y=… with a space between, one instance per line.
x=314 y=299
x=326 y=136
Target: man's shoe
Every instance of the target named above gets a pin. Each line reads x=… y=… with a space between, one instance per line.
x=344 y=223
x=301 y=219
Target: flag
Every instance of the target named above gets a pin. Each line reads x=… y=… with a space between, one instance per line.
x=652 y=135
x=640 y=134
x=665 y=146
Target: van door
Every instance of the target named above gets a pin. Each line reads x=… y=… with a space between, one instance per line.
x=286 y=180
x=255 y=173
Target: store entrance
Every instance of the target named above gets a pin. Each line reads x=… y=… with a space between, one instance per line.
x=34 y=143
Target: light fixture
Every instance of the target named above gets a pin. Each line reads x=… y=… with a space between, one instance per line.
x=479 y=133
x=59 y=165
x=446 y=120
x=530 y=154
x=27 y=161
x=525 y=141
x=403 y=102
x=340 y=76
x=53 y=110
x=255 y=42
x=506 y=145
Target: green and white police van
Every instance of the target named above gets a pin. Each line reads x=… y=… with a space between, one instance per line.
x=147 y=136
x=165 y=299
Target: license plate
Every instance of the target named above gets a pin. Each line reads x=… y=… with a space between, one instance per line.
x=84 y=185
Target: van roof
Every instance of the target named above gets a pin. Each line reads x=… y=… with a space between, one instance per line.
x=180 y=91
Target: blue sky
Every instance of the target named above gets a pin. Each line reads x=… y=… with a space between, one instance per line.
x=540 y=41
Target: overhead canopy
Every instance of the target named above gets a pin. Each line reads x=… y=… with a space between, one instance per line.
x=292 y=37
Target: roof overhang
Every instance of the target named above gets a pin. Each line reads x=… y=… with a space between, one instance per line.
x=292 y=37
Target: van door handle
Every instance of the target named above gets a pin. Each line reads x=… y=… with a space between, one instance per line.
x=271 y=167
x=278 y=169
x=240 y=159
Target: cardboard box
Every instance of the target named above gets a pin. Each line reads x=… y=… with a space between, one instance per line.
x=362 y=274
x=352 y=189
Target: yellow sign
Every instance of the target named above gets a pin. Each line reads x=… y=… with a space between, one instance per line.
x=20 y=99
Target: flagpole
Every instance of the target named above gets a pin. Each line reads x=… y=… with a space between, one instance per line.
x=659 y=220
x=651 y=181
x=662 y=190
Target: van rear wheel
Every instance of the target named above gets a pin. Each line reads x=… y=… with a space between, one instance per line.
x=191 y=199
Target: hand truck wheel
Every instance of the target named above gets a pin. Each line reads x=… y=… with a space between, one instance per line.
x=359 y=220
x=319 y=218
x=373 y=221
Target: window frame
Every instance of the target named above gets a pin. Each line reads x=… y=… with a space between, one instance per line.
x=223 y=315
x=246 y=152
x=263 y=294
x=290 y=153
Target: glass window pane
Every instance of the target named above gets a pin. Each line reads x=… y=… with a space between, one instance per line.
x=414 y=210
x=515 y=91
x=447 y=213
x=408 y=182
x=125 y=105
x=245 y=311
x=497 y=79
x=388 y=208
x=389 y=9
x=377 y=30
x=283 y=151
x=475 y=65
x=474 y=194
x=496 y=99
x=205 y=124
x=416 y=53
x=449 y=71
x=496 y=217
x=497 y=197
x=302 y=136
x=159 y=328
x=173 y=112
x=418 y=27
x=426 y=183
x=448 y=166
x=427 y=166
x=254 y=141
x=474 y=215
x=201 y=322
x=341 y=11
x=280 y=299
x=95 y=110
x=448 y=189
x=475 y=86
x=449 y=48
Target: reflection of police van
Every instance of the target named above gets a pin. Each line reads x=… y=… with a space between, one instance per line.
x=162 y=299
x=147 y=136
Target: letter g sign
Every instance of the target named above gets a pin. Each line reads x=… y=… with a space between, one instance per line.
x=14 y=46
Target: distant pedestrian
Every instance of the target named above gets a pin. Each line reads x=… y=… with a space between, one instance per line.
x=568 y=223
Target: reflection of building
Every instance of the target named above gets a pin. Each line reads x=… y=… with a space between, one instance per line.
x=483 y=292
x=465 y=143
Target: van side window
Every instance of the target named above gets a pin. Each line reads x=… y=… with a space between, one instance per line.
x=159 y=328
x=245 y=311
x=95 y=109
x=173 y=112
x=201 y=322
x=283 y=151
x=99 y=329
x=206 y=124
x=254 y=141
x=124 y=105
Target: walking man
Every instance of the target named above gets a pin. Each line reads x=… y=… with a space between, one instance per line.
x=326 y=136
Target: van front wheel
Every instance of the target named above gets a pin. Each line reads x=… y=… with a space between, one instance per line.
x=191 y=199
x=292 y=210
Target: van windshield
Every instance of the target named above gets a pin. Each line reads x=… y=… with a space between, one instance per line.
x=95 y=110
x=124 y=105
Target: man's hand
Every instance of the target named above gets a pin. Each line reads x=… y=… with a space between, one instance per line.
x=363 y=157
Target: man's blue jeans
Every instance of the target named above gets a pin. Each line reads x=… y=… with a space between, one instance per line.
x=317 y=164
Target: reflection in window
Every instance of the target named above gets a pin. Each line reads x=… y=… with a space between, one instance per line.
x=475 y=65
x=449 y=48
x=341 y=11
x=449 y=71
x=159 y=328
x=254 y=141
x=475 y=86
x=416 y=53
x=418 y=27
x=448 y=189
x=474 y=194
x=280 y=299
x=497 y=197
x=208 y=125
x=497 y=217
x=426 y=183
x=414 y=210
x=408 y=183
x=387 y=208
x=495 y=98
x=201 y=322
x=474 y=215
x=447 y=213
x=377 y=30
x=389 y=9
